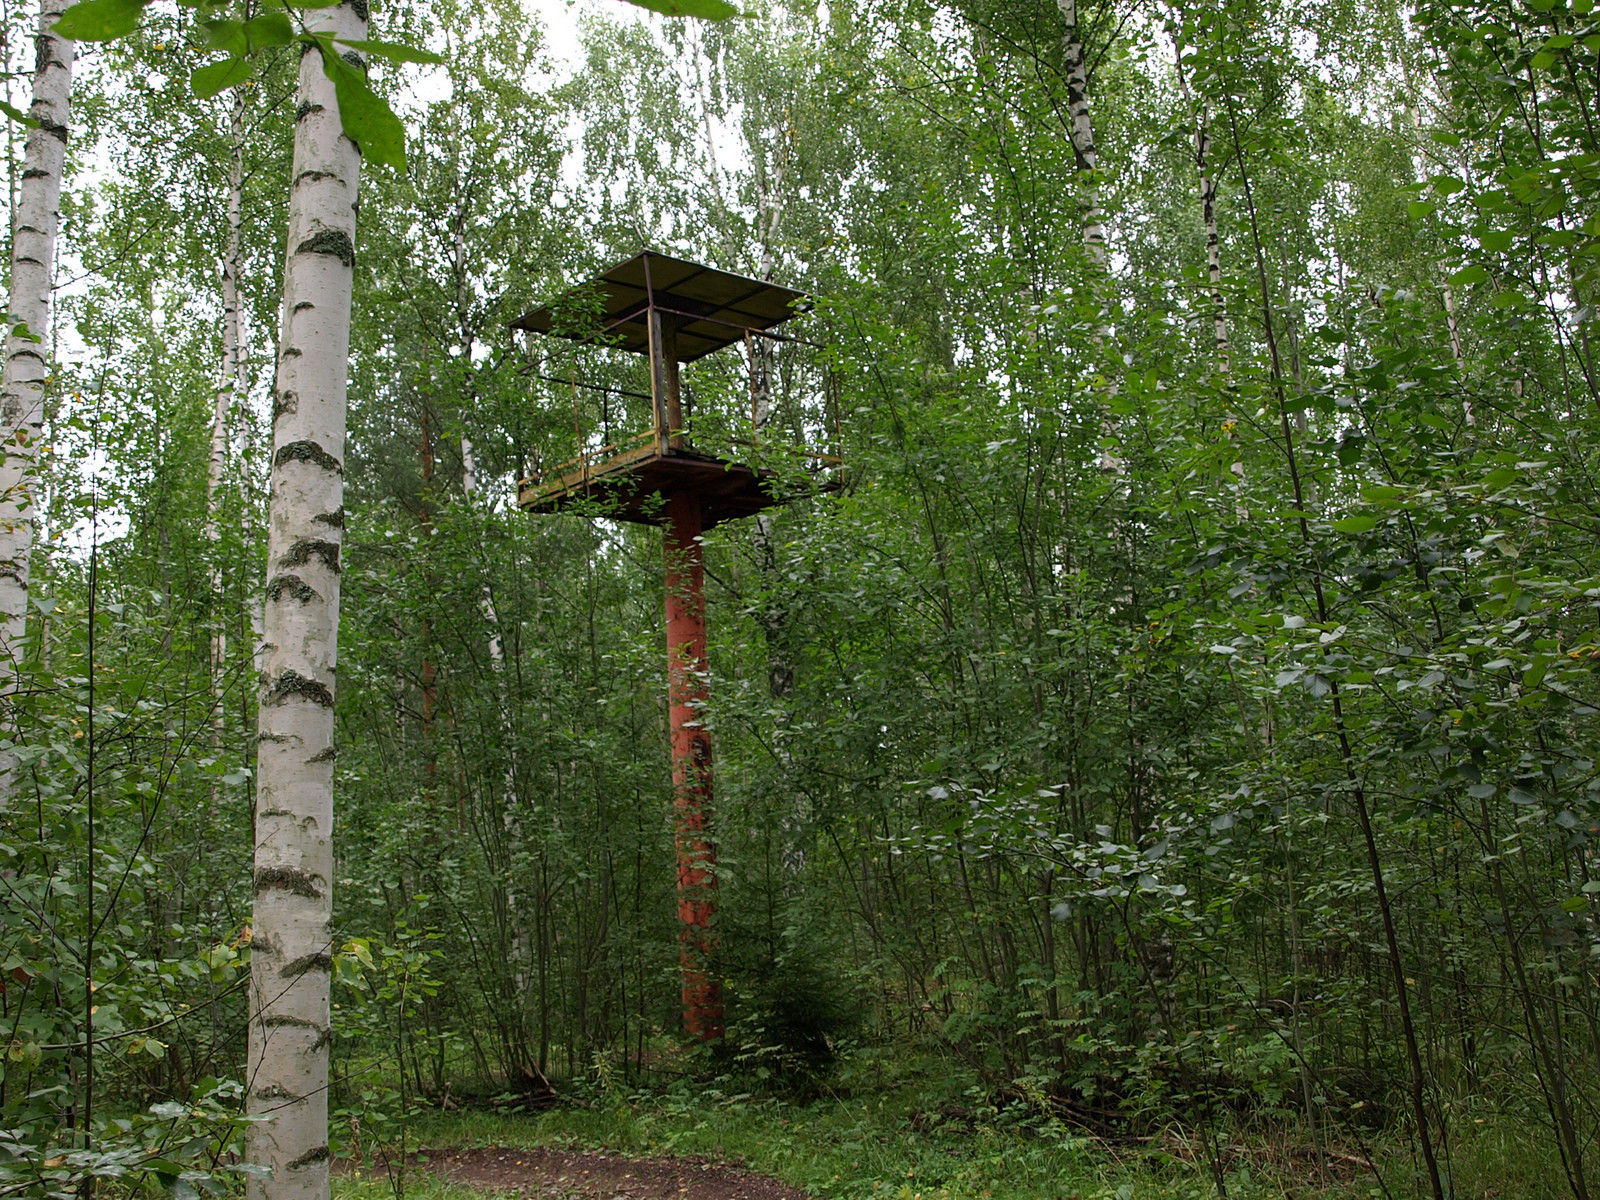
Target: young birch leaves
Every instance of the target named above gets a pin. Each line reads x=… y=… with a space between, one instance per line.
x=366 y=117
x=706 y=10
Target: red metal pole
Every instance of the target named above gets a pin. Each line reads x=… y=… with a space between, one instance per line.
x=691 y=766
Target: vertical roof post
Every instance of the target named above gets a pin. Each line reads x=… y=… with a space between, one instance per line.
x=665 y=394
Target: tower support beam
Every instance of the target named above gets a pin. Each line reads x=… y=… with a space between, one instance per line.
x=691 y=766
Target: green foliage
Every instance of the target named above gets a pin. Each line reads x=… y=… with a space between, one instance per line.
x=1097 y=731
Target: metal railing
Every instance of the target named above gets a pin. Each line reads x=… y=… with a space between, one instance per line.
x=788 y=415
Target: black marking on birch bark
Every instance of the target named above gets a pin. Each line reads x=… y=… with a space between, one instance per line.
x=44 y=47
x=307 y=452
x=359 y=7
x=303 y=304
x=286 y=403
x=335 y=518
x=292 y=352
x=273 y=812
x=292 y=683
x=305 y=110
x=288 y=879
x=36 y=173
x=302 y=552
x=309 y=1159
x=292 y=586
x=273 y=737
x=284 y=1021
x=28 y=258
x=326 y=754
x=276 y=1091
x=354 y=59
x=314 y=176
x=305 y=964
x=333 y=242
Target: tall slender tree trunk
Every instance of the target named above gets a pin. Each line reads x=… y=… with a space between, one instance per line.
x=22 y=380
x=1208 y=219
x=291 y=961
x=230 y=392
x=1082 y=131
x=1208 y=216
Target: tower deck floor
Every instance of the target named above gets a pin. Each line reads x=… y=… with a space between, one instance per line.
x=632 y=485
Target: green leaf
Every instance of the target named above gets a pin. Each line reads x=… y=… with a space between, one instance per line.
x=709 y=10
x=1383 y=494
x=1355 y=524
x=394 y=51
x=17 y=115
x=1543 y=60
x=227 y=36
x=1537 y=669
x=1469 y=275
x=1495 y=240
x=1418 y=209
x=218 y=77
x=364 y=115
x=269 y=29
x=100 y=20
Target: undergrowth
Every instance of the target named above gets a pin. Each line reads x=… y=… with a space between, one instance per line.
x=892 y=1130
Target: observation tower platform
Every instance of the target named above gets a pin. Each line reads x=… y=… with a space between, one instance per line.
x=672 y=439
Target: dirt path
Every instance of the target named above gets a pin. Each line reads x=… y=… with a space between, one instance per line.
x=546 y=1174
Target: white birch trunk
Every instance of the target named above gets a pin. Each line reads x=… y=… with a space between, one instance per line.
x=1082 y=131
x=22 y=380
x=1208 y=215
x=1456 y=351
x=291 y=958
x=230 y=393
x=1208 y=218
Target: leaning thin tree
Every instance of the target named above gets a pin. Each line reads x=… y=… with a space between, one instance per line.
x=22 y=383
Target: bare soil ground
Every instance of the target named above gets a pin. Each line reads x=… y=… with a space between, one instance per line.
x=546 y=1174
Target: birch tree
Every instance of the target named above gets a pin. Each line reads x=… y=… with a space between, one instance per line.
x=230 y=393
x=291 y=959
x=1081 y=130
x=22 y=380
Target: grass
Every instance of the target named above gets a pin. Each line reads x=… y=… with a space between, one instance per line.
x=877 y=1141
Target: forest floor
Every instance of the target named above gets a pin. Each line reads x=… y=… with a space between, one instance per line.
x=908 y=1133
x=546 y=1173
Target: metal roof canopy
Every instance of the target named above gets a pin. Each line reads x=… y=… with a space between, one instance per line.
x=714 y=308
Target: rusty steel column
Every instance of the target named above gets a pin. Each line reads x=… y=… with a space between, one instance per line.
x=691 y=767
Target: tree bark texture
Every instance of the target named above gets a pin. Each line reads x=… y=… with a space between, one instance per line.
x=291 y=959
x=22 y=381
x=1082 y=131
x=230 y=393
x=691 y=767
